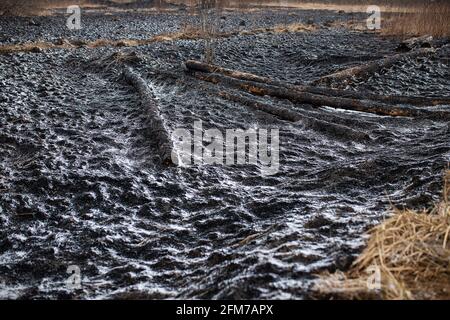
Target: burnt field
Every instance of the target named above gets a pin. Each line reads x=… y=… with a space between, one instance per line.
x=81 y=181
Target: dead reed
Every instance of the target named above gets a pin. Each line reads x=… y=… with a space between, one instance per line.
x=425 y=18
x=409 y=253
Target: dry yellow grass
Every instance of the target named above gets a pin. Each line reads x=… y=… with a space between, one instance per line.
x=403 y=18
x=331 y=5
x=410 y=252
x=27 y=47
x=426 y=19
x=285 y=28
x=41 y=7
x=187 y=33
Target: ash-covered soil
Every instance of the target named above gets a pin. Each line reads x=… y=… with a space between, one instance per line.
x=80 y=181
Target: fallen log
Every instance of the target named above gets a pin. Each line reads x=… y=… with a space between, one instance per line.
x=261 y=89
x=211 y=68
x=370 y=68
x=330 y=129
x=279 y=112
x=161 y=135
x=392 y=99
x=412 y=43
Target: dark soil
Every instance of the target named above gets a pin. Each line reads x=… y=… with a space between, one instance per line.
x=80 y=183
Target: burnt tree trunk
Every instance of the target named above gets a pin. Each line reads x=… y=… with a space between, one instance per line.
x=392 y=99
x=327 y=128
x=368 y=106
x=371 y=67
x=416 y=42
x=161 y=135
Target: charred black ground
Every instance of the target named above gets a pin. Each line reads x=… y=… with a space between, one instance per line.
x=80 y=183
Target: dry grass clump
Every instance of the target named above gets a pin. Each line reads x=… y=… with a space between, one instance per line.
x=409 y=253
x=186 y=33
x=285 y=28
x=293 y=28
x=26 y=47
